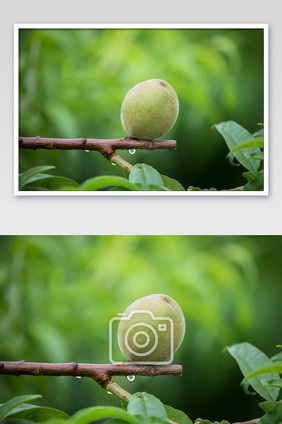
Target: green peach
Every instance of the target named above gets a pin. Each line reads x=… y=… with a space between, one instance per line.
x=143 y=336
x=149 y=109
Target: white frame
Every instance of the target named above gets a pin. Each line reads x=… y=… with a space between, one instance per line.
x=265 y=192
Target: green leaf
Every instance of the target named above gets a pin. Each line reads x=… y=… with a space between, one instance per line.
x=142 y=403
x=258 y=156
x=150 y=420
x=256 y=181
x=273 y=417
x=276 y=357
x=253 y=142
x=270 y=405
x=25 y=176
x=151 y=187
x=145 y=174
x=98 y=183
x=246 y=386
x=124 y=404
x=191 y=188
x=39 y=414
x=51 y=182
x=267 y=367
x=249 y=358
x=200 y=421
x=235 y=135
x=172 y=184
x=259 y=132
x=177 y=416
x=87 y=415
x=277 y=382
x=12 y=403
x=115 y=421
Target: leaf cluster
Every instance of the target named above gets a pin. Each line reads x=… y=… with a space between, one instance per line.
x=143 y=408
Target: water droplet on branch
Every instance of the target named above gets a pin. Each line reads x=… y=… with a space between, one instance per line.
x=87 y=151
x=132 y=151
x=131 y=377
x=110 y=393
x=78 y=376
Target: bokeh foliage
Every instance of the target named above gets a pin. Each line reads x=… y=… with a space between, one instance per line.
x=72 y=83
x=58 y=293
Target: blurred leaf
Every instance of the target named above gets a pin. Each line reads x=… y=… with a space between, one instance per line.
x=39 y=414
x=267 y=367
x=275 y=382
x=199 y=421
x=235 y=135
x=255 y=180
x=124 y=404
x=146 y=175
x=177 y=416
x=27 y=175
x=249 y=358
x=151 y=187
x=270 y=405
x=98 y=183
x=246 y=386
x=191 y=188
x=50 y=182
x=14 y=402
x=277 y=356
x=87 y=415
x=172 y=184
x=273 y=417
x=258 y=156
x=142 y=403
x=258 y=142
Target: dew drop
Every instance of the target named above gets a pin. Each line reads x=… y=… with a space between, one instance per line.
x=132 y=151
x=114 y=164
x=87 y=151
x=78 y=376
x=110 y=393
x=131 y=377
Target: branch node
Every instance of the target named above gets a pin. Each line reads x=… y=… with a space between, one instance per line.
x=2 y=365
x=84 y=140
x=108 y=152
x=74 y=365
x=103 y=380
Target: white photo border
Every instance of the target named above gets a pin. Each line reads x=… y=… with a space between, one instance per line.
x=263 y=26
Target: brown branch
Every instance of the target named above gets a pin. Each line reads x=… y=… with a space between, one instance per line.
x=106 y=147
x=101 y=373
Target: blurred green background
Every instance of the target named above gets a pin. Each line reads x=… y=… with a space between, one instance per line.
x=72 y=83
x=58 y=293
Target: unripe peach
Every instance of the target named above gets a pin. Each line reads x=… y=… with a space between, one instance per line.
x=149 y=109
x=151 y=329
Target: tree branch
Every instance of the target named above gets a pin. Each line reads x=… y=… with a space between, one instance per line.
x=106 y=147
x=101 y=373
